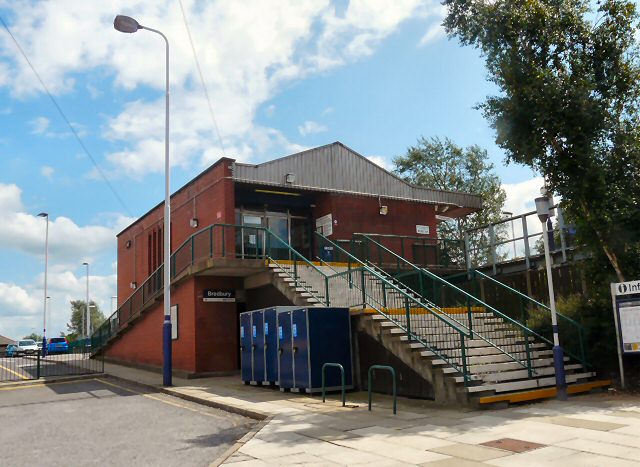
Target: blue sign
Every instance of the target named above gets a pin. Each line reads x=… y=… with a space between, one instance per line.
x=295 y=330
x=266 y=329
x=280 y=332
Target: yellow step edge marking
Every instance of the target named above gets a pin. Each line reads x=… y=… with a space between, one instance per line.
x=423 y=311
x=544 y=393
x=336 y=264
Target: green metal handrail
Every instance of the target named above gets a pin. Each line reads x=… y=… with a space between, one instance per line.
x=573 y=323
x=526 y=331
x=393 y=375
x=341 y=368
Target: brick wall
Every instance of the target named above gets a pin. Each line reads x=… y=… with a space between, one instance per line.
x=209 y=198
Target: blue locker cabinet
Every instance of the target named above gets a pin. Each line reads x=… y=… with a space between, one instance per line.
x=317 y=336
x=257 y=346
x=246 y=354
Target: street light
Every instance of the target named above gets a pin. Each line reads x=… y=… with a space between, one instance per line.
x=87 y=315
x=129 y=25
x=113 y=297
x=543 y=209
x=46 y=261
x=513 y=232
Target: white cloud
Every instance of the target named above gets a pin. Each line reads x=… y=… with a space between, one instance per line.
x=39 y=125
x=381 y=161
x=25 y=232
x=520 y=196
x=47 y=171
x=311 y=128
x=21 y=306
x=247 y=52
x=434 y=33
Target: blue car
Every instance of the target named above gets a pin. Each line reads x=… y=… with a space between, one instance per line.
x=57 y=345
x=11 y=350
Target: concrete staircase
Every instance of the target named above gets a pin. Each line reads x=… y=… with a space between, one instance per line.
x=495 y=357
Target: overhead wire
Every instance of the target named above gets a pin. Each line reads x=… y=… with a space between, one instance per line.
x=204 y=87
x=64 y=117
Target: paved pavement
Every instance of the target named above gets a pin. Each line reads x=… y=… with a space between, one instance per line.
x=103 y=422
x=589 y=430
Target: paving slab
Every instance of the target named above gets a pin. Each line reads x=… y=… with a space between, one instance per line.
x=586 y=430
x=471 y=452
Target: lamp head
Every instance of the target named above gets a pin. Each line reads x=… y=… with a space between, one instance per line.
x=542 y=208
x=126 y=24
x=43 y=214
x=85 y=264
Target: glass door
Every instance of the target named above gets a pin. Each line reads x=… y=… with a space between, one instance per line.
x=279 y=226
x=252 y=236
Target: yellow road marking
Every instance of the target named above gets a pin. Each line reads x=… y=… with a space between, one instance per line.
x=39 y=385
x=13 y=372
x=155 y=398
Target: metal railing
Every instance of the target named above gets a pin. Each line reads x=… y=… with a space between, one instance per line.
x=527 y=310
x=429 y=252
x=510 y=239
x=511 y=338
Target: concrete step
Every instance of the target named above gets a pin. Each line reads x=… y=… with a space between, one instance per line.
x=529 y=383
x=508 y=366
x=524 y=373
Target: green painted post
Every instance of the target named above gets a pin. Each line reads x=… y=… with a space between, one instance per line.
x=464 y=359
x=393 y=375
x=528 y=350
x=210 y=242
x=326 y=290
x=224 y=243
x=408 y=312
x=341 y=368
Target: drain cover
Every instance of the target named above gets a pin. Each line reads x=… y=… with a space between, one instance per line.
x=513 y=445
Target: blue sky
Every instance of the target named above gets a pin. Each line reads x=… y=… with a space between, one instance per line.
x=282 y=77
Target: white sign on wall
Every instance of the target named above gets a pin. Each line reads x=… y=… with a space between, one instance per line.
x=174 y=322
x=324 y=225
x=627 y=288
x=422 y=229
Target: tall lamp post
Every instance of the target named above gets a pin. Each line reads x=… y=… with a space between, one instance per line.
x=543 y=208
x=129 y=25
x=87 y=314
x=113 y=298
x=46 y=261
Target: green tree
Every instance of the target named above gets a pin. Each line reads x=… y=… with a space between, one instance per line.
x=441 y=164
x=36 y=337
x=78 y=313
x=569 y=81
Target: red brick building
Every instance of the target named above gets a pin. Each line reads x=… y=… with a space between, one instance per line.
x=331 y=189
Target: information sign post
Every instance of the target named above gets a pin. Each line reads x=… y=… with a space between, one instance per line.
x=625 y=297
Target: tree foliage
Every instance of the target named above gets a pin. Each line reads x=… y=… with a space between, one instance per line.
x=35 y=336
x=569 y=77
x=75 y=327
x=441 y=164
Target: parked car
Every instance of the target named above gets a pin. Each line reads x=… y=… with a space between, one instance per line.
x=27 y=347
x=11 y=350
x=57 y=345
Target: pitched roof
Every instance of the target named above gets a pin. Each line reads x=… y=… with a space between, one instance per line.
x=338 y=168
x=5 y=340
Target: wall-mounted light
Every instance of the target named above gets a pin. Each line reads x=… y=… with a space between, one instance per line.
x=193 y=222
x=133 y=285
x=290 y=178
x=127 y=244
x=384 y=210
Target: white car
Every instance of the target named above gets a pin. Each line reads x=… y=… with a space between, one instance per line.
x=27 y=346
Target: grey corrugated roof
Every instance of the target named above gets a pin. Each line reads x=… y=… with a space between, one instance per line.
x=335 y=167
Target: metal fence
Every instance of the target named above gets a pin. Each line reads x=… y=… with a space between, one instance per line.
x=517 y=238
x=22 y=367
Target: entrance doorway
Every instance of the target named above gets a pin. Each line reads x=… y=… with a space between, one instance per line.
x=288 y=229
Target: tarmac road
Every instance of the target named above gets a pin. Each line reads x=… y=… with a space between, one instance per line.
x=101 y=422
